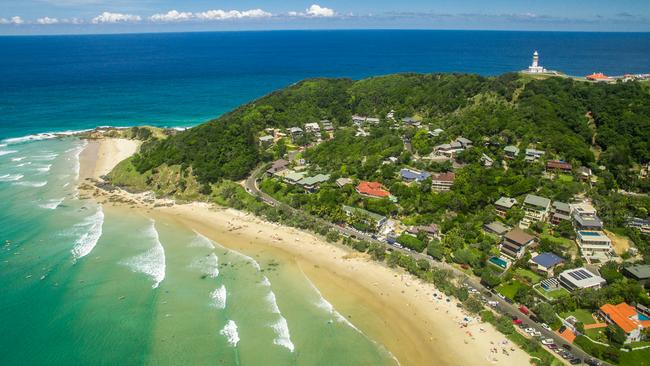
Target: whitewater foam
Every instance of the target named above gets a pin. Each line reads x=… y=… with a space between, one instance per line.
x=7 y=152
x=207 y=265
x=19 y=158
x=151 y=262
x=52 y=204
x=41 y=136
x=87 y=241
x=265 y=282
x=31 y=184
x=45 y=157
x=11 y=177
x=219 y=296
x=273 y=303
x=44 y=168
x=322 y=303
x=77 y=159
x=230 y=332
x=201 y=241
x=283 y=338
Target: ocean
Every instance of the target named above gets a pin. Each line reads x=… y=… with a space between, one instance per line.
x=86 y=284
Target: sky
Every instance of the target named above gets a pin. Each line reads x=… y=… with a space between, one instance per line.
x=24 y=17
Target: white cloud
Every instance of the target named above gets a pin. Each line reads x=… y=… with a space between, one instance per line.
x=47 y=21
x=171 y=16
x=232 y=14
x=318 y=11
x=314 y=11
x=107 y=17
x=13 y=20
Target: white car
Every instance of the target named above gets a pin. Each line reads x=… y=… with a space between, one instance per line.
x=547 y=341
x=537 y=333
x=545 y=326
x=530 y=330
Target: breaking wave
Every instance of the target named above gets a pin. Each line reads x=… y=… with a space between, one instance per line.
x=87 y=241
x=151 y=262
x=7 y=152
x=52 y=204
x=201 y=241
x=219 y=297
x=44 y=168
x=19 y=158
x=208 y=265
x=31 y=184
x=283 y=338
x=273 y=303
x=45 y=157
x=230 y=332
x=11 y=177
x=40 y=136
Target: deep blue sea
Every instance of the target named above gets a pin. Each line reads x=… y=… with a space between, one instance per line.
x=54 y=83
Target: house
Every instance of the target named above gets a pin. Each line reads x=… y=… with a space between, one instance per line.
x=515 y=242
x=503 y=205
x=410 y=175
x=436 y=132
x=496 y=227
x=327 y=125
x=442 y=181
x=358 y=120
x=431 y=231
x=545 y=263
x=290 y=176
x=550 y=284
x=535 y=208
x=372 y=189
x=585 y=218
x=371 y=120
x=584 y=174
x=295 y=132
x=638 y=272
x=465 y=143
x=377 y=219
x=580 y=278
x=487 y=161
x=641 y=224
x=598 y=76
x=313 y=183
x=560 y=211
x=627 y=318
x=511 y=151
x=341 y=182
x=277 y=166
x=449 y=149
x=410 y=121
x=312 y=127
x=266 y=140
x=558 y=166
x=594 y=245
x=390 y=115
x=533 y=155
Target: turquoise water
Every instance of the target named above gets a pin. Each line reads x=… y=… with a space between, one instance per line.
x=85 y=284
x=589 y=233
x=499 y=262
x=643 y=317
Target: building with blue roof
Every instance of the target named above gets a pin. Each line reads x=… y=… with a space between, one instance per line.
x=410 y=175
x=545 y=263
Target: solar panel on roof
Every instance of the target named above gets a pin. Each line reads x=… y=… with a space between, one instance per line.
x=585 y=273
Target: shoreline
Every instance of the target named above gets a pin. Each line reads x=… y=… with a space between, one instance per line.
x=388 y=305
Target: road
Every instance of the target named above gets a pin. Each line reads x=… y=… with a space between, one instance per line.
x=503 y=306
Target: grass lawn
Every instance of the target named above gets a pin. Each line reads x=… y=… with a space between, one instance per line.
x=510 y=289
x=635 y=358
x=553 y=294
x=597 y=334
x=565 y=178
x=583 y=316
x=529 y=275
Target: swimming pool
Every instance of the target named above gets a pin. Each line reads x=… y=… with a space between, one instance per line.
x=499 y=262
x=642 y=317
x=589 y=233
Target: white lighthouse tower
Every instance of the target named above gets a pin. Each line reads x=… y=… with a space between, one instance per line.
x=535 y=68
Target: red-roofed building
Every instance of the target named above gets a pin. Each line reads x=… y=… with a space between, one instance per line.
x=625 y=317
x=558 y=165
x=442 y=181
x=599 y=76
x=372 y=189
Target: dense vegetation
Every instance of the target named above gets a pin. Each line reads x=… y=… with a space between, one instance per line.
x=560 y=115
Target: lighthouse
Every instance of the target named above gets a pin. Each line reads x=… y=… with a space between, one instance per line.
x=534 y=68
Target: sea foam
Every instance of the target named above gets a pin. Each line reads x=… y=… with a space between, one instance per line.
x=201 y=241
x=52 y=204
x=151 y=262
x=87 y=241
x=283 y=338
x=44 y=168
x=41 y=136
x=273 y=303
x=7 y=152
x=230 y=332
x=11 y=177
x=219 y=297
x=207 y=265
x=31 y=184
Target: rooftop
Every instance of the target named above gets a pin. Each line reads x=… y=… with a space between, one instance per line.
x=506 y=202
x=310 y=181
x=511 y=149
x=414 y=174
x=547 y=260
x=350 y=210
x=444 y=177
x=639 y=271
x=561 y=206
x=497 y=227
x=557 y=164
x=518 y=236
x=582 y=278
x=372 y=189
x=538 y=201
x=623 y=315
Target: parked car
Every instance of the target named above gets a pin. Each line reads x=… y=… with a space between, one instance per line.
x=530 y=330
x=547 y=341
x=593 y=362
x=517 y=321
x=545 y=326
x=575 y=361
x=524 y=309
x=566 y=347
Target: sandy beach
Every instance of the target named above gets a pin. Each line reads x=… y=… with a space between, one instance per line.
x=388 y=305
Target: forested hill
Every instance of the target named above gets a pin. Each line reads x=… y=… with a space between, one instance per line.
x=587 y=123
